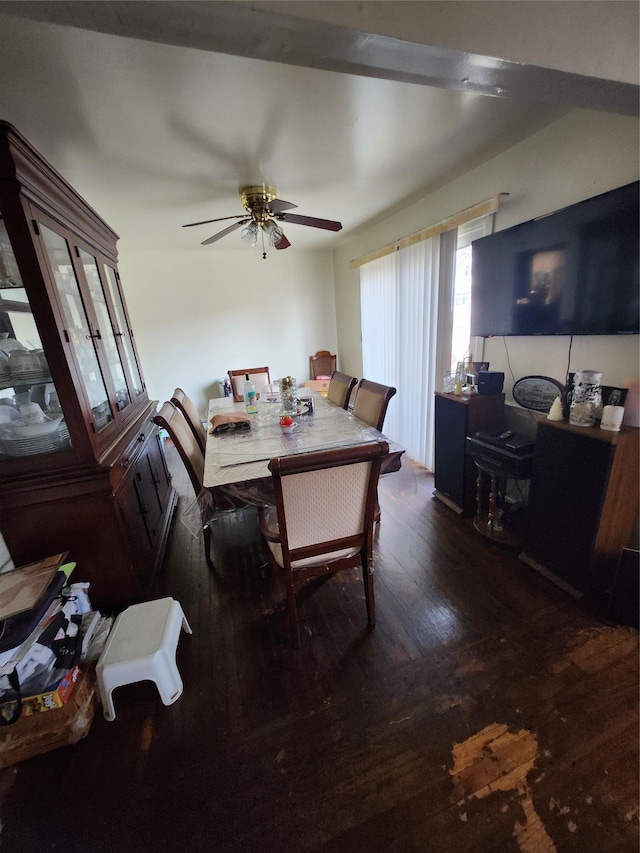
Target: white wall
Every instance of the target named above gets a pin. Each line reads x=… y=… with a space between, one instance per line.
x=198 y=314
x=579 y=156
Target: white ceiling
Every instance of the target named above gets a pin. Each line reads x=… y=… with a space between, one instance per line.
x=155 y=135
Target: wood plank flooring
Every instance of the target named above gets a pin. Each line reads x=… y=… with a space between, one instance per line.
x=487 y=710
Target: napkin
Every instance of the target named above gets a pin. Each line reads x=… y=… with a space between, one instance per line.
x=227 y=423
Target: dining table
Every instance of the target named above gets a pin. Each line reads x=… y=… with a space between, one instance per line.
x=236 y=471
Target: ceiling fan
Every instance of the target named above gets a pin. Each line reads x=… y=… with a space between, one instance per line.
x=263 y=213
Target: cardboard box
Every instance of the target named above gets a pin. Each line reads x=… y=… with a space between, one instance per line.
x=319 y=385
x=39 y=733
x=51 y=699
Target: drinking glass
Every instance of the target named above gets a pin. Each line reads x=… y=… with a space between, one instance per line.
x=449 y=382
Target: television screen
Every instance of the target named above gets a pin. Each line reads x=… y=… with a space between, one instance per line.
x=572 y=272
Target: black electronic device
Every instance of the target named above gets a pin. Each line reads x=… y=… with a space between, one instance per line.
x=571 y=272
x=495 y=454
x=490 y=382
x=508 y=439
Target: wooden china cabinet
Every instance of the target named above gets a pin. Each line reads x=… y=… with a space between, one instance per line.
x=83 y=469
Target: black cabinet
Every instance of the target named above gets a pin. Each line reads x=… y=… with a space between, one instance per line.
x=456 y=418
x=583 y=505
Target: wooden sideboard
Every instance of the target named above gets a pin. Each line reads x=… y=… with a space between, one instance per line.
x=583 y=505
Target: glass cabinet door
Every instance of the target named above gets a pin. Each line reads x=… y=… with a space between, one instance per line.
x=31 y=419
x=129 y=356
x=105 y=329
x=81 y=333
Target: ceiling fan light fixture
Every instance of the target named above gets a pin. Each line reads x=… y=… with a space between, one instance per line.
x=273 y=231
x=249 y=234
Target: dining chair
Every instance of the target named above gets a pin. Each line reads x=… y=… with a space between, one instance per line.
x=258 y=375
x=323 y=364
x=188 y=409
x=371 y=402
x=370 y=406
x=171 y=419
x=322 y=521
x=340 y=388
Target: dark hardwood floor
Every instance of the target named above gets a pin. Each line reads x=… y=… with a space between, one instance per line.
x=487 y=710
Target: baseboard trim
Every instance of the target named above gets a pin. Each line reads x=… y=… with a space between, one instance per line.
x=549 y=575
x=445 y=500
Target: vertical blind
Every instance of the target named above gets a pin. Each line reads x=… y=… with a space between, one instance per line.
x=399 y=308
x=406 y=298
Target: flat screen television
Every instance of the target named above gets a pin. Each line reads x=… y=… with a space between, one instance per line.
x=572 y=272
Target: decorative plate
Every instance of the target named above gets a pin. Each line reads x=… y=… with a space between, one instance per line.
x=537 y=392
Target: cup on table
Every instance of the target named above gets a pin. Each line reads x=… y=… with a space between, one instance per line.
x=271 y=392
x=287 y=424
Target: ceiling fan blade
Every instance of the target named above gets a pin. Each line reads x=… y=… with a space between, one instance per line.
x=283 y=244
x=223 y=233
x=220 y=219
x=326 y=224
x=278 y=205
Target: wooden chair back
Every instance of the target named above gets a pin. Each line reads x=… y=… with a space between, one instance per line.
x=258 y=375
x=325 y=504
x=171 y=419
x=186 y=406
x=340 y=388
x=371 y=403
x=323 y=363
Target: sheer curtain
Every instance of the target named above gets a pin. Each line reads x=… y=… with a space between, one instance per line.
x=399 y=315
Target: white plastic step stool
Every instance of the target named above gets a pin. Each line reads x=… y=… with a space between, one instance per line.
x=142 y=647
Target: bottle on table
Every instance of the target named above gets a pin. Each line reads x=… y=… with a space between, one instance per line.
x=250 y=398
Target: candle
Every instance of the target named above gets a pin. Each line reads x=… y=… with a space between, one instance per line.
x=555 y=412
x=612 y=418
